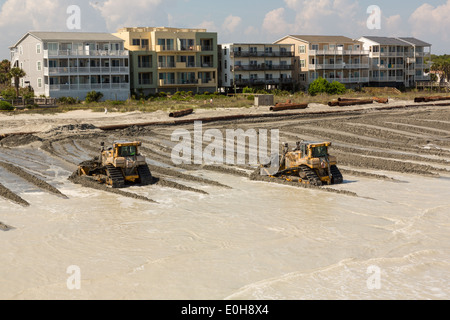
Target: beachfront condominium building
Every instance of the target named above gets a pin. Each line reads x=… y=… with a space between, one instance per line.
x=335 y=58
x=71 y=64
x=397 y=61
x=256 y=65
x=171 y=59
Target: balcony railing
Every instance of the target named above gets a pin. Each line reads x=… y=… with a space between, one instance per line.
x=262 y=54
x=387 y=79
x=92 y=70
x=338 y=66
x=83 y=53
x=338 y=52
x=262 y=67
x=259 y=81
x=88 y=87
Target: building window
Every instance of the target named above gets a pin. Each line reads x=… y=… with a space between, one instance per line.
x=225 y=52
x=38 y=48
x=314 y=47
x=303 y=63
x=301 y=49
x=136 y=42
x=144 y=61
x=226 y=64
x=145 y=78
x=166 y=44
x=20 y=50
x=144 y=43
x=39 y=82
x=39 y=66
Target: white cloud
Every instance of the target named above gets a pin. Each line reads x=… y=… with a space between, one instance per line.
x=33 y=15
x=393 y=26
x=429 y=20
x=275 y=23
x=231 y=23
x=132 y=13
x=208 y=25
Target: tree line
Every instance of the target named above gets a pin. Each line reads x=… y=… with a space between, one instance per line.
x=6 y=75
x=441 y=63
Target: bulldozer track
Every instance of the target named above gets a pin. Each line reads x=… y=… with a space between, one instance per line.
x=115 y=176
x=336 y=174
x=145 y=175
x=311 y=176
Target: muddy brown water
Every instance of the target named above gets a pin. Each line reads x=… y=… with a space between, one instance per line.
x=220 y=232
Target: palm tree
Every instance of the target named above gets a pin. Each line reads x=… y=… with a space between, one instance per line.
x=16 y=74
x=5 y=68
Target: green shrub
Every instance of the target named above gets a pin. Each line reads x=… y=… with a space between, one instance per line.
x=93 y=96
x=248 y=90
x=6 y=106
x=67 y=100
x=320 y=85
x=9 y=94
x=336 y=88
x=251 y=97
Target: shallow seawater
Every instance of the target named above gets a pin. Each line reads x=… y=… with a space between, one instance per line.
x=254 y=241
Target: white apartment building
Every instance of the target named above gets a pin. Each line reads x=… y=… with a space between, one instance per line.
x=71 y=64
x=256 y=65
x=396 y=61
x=334 y=58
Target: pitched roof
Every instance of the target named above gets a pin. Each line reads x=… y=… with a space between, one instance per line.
x=401 y=41
x=323 y=39
x=76 y=36
x=386 y=41
x=416 y=42
x=71 y=36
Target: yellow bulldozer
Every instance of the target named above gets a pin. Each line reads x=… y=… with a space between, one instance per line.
x=309 y=163
x=119 y=165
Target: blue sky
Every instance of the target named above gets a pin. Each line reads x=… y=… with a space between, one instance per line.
x=234 y=20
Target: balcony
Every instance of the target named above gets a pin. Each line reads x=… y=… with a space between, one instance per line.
x=88 y=87
x=85 y=70
x=173 y=82
x=258 y=81
x=338 y=52
x=338 y=66
x=423 y=78
x=162 y=48
x=85 y=53
x=387 y=79
x=262 y=67
x=192 y=48
x=262 y=54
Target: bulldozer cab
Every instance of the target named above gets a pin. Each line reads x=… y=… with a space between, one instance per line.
x=312 y=149
x=318 y=150
x=127 y=151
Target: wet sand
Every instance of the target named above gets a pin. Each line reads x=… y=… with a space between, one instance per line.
x=222 y=232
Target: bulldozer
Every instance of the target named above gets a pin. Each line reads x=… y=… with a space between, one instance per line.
x=118 y=165
x=308 y=163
